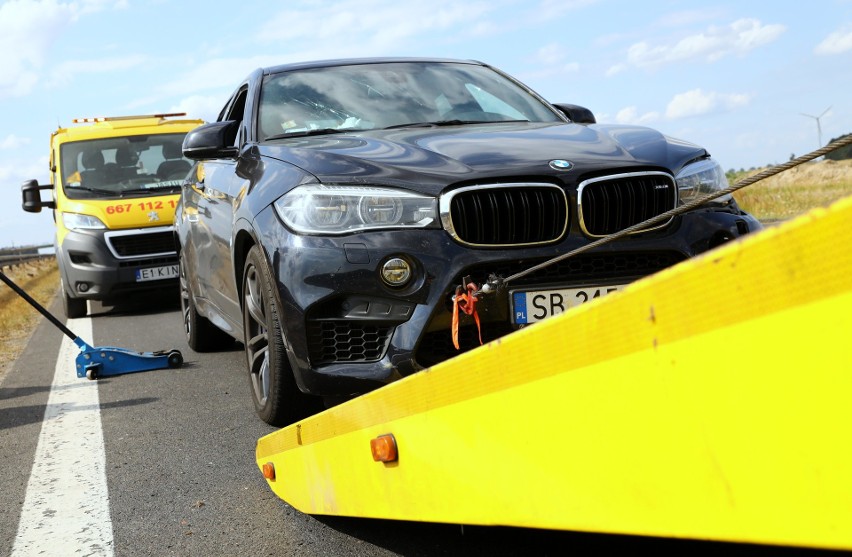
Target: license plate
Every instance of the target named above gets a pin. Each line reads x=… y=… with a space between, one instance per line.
x=157 y=273
x=535 y=305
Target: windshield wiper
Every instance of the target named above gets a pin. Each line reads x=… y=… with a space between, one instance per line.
x=93 y=190
x=318 y=131
x=154 y=190
x=449 y=123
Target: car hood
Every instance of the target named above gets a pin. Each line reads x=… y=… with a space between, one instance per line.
x=431 y=158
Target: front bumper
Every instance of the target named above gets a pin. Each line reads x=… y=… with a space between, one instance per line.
x=104 y=265
x=347 y=332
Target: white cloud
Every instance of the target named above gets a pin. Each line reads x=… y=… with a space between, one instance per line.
x=713 y=44
x=12 y=141
x=360 y=27
x=554 y=71
x=28 y=29
x=687 y=17
x=67 y=71
x=697 y=102
x=616 y=69
x=90 y=6
x=630 y=115
x=552 y=53
x=554 y=8
x=20 y=170
x=200 y=106
x=551 y=59
x=836 y=43
x=220 y=73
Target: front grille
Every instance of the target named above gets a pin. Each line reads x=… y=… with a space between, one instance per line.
x=506 y=215
x=153 y=262
x=339 y=340
x=142 y=244
x=612 y=203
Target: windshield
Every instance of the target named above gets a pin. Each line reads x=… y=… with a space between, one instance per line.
x=118 y=166
x=371 y=96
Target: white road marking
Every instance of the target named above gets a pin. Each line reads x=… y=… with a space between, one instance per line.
x=66 y=507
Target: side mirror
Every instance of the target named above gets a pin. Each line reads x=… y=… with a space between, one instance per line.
x=31 y=194
x=212 y=141
x=575 y=113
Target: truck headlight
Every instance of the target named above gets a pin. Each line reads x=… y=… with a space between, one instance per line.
x=322 y=209
x=700 y=179
x=76 y=221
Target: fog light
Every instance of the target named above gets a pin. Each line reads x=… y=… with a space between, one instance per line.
x=83 y=286
x=396 y=272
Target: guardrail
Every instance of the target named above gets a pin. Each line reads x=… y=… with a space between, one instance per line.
x=9 y=257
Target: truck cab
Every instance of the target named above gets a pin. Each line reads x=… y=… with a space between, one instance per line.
x=115 y=182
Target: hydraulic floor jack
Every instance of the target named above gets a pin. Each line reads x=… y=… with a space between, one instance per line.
x=104 y=361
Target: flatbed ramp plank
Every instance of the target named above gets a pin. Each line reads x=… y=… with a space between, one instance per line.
x=710 y=401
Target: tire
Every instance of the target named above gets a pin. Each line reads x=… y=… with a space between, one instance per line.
x=74 y=307
x=201 y=334
x=277 y=399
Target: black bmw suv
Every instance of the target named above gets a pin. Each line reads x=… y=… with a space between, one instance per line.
x=339 y=211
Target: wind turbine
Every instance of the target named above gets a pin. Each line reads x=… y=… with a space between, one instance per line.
x=819 y=129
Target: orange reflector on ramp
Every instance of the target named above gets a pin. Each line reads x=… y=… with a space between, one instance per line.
x=383 y=448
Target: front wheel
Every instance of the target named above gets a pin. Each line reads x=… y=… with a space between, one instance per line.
x=73 y=307
x=277 y=399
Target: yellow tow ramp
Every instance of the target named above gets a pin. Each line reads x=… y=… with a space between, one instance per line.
x=709 y=401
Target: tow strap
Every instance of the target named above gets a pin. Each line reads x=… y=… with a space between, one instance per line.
x=465 y=298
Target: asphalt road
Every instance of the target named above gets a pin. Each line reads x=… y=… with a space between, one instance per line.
x=178 y=461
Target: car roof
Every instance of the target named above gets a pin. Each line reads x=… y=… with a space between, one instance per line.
x=360 y=61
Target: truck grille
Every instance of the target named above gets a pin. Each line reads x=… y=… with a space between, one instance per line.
x=331 y=341
x=506 y=215
x=612 y=203
x=140 y=243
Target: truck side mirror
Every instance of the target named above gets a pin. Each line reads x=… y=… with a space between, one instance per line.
x=31 y=194
x=575 y=113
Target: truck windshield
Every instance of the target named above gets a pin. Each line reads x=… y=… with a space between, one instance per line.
x=120 y=166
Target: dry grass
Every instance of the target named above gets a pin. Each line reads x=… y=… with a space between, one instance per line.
x=795 y=191
x=18 y=319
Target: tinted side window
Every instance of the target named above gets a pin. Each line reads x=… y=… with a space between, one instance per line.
x=236 y=112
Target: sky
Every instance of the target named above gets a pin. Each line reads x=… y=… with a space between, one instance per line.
x=754 y=82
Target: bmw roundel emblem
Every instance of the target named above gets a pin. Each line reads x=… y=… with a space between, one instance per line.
x=560 y=164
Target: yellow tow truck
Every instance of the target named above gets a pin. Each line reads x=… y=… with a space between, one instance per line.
x=115 y=182
x=710 y=401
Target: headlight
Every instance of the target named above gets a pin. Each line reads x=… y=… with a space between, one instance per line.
x=700 y=179
x=320 y=209
x=74 y=221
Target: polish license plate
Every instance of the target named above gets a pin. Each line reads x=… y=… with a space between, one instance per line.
x=535 y=305
x=157 y=273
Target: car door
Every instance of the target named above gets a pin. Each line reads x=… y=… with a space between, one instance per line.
x=214 y=193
